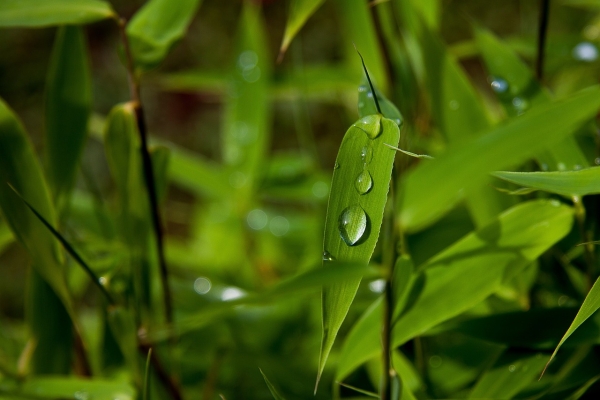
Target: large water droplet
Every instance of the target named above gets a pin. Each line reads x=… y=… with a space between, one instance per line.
x=366 y=154
x=327 y=256
x=585 y=51
x=371 y=125
x=499 y=85
x=363 y=182
x=353 y=224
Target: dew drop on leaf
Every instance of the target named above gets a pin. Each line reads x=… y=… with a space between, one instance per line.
x=366 y=154
x=371 y=125
x=327 y=256
x=353 y=224
x=364 y=182
x=498 y=85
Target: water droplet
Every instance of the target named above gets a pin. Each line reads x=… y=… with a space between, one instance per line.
x=366 y=154
x=377 y=286
x=561 y=166
x=499 y=85
x=279 y=226
x=257 y=219
x=81 y=395
x=435 y=361
x=555 y=203
x=454 y=105
x=512 y=368
x=247 y=60
x=327 y=256
x=363 y=182
x=103 y=280
x=597 y=161
x=370 y=95
x=361 y=104
x=251 y=75
x=353 y=224
x=232 y=293
x=202 y=285
x=585 y=51
x=336 y=165
x=371 y=125
x=320 y=189
x=398 y=121
x=577 y=167
x=362 y=89
x=520 y=104
x=544 y=167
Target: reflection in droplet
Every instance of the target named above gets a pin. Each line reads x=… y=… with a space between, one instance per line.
x=377 y=286
x=499 y=85
x=585 y=51
x=371 y=125
x=435 y=361
x=454 y=105
x=512 y=368
x=366 y=154
x=327 y=256
x=352 y=224
x=231 y=293
x=202 y=285
x=320 y=189
x=279 y=225
x=364 y=182
x=257 y=219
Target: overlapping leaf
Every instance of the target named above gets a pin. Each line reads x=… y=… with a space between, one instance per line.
x=567 y=183
x=37 y=14
x=300 y=11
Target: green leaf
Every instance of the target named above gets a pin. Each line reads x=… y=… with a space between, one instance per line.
x=366 y=105
x=68 y=388
x=156 y=27
x=510 y=374
x=588 y=308
x=68 y=105
x=463 y=275
x=37 y=14
x=432 y=189
x=300 y=11
x=518 y=90
x=359 y=189
x=272 y=388
x=567 y=183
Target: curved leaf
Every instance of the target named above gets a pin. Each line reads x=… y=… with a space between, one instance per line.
x=37 y=14
x=358 y=196
x=567 y=183
x=67 y=388
x=300 y=11
x=156 y=27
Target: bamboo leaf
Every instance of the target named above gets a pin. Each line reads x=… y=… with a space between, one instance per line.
x=517 y=89
x=358 y=196
x=68 y=388
x=300 y=11
x=463 y=275
x=429 y=191
x=567 y=183
x=38 y=14
x=68 y=107
x=156 y=27
x=366 y=105
x=588 y=308
x=271 y=387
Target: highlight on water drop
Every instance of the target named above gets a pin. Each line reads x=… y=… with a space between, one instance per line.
x=353 y=224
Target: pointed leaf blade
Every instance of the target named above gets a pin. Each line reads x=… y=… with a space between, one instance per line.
x=38 y=14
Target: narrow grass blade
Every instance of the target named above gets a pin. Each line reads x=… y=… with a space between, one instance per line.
x=146 y=394
x=68 y=106
x=358 y=196
x=408 y=153
x=510 y=374
x=68 y=388
x=431 y=189
x=584 y=388
x=588 y=308
x=271 y=387
x=361 y=391
x=462 y=276
x=68 y=248
x=517 y=89
x=299 y=12
x=567 y=183
x=156 y=27
x=38 y=14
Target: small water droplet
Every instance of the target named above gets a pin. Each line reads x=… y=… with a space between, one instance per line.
x=279 y=225
x=371 y=125
x=366 y=154
x=257 y=219
x=585 y=51
x=520 y=104
x=247 y=60
x=361 y=104
x=251 y=75
x=398 y=121
x=561 y=166
x=370 y=95
x=435 y=361
x=202 y=285
x=499 y=85
x=364 y=182
x=327 y=256
x=352 y=224
x=577 y=167
x=454 y=105
x=336 y=165
x=362 y=89
x=544 y=167
x=512 y=368
x=81 y=395
x=597 y=161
